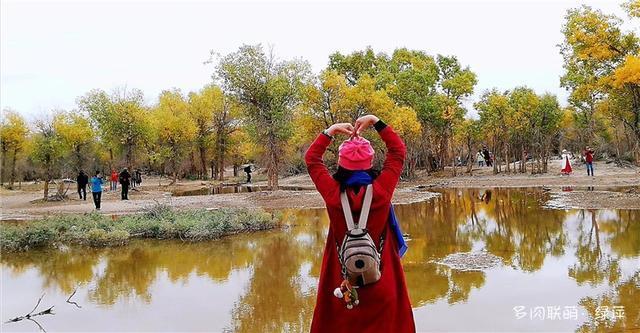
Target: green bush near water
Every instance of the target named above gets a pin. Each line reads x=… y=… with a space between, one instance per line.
x=157 y=222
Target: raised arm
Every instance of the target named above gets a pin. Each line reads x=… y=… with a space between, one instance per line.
x=396 y=151
x=394 y=161
x=313 y=158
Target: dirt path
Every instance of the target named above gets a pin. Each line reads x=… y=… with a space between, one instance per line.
x=576 y=191
x=19 y=205
x=607 y=175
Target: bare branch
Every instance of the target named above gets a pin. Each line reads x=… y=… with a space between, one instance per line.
x=30 y=315
x=39 y=326
x=69 y=299
x=35 y=307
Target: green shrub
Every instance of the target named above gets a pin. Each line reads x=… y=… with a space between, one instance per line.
x=159 y=221
x=101 y=237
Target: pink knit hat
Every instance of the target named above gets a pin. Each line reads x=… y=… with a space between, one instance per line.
x=355 y=154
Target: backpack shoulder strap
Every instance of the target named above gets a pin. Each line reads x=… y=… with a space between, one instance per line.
x=346 y=210
x=366 y=207
x=364 y=213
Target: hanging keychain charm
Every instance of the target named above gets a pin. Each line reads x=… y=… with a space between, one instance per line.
x=348 y=293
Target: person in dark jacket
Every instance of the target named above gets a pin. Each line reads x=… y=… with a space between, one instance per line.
x=125 y=180
x=82 y=181
x=487 y=157
x=247 y=170
x=137 y=177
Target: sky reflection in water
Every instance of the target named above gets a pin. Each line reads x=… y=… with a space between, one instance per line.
x=266 y=282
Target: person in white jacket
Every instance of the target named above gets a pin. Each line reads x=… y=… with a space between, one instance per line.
x=480 y=158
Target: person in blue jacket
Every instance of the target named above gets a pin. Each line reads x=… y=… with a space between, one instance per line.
x=96 y=189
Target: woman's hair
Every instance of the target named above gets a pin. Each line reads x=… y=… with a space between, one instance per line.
x=97 y=172
x=342 y=175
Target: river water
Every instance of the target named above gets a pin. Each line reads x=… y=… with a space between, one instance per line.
x=560 y=271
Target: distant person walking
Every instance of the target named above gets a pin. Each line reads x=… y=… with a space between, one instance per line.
x=137 y=176
x=566 y=164
x=82 y=181
x=96 y=189
x=480 y=158
x=588 y=158
x=247 y=170
x=487 y=156
x=114 y=180
x=125 y=180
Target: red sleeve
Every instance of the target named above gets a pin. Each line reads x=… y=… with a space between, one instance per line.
x=392 y=168
x=317 y=170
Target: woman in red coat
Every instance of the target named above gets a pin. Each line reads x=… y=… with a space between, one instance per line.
x=383 y=306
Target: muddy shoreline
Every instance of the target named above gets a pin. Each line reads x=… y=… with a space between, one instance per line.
x=612 y=188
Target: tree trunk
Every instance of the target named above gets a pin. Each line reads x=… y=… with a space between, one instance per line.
x=494 y=160
x=221 y=152
x=193 y=170
x=129 y=156
x=203 y=160
x=4 y=166
x=470 y=161
x=444 y=150
x=174 y=171
x=453 y=165
x=110 y=159
x=13 y=167
x=272 y=166
x=506 y=158
x=46 y=183
x=635 y=93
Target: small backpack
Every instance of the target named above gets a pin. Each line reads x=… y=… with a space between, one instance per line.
x=358 y=255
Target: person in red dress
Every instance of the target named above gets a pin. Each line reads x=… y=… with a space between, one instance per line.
x=384 y=305
x=566 y=163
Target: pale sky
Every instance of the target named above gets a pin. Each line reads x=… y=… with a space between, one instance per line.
x=51 y=52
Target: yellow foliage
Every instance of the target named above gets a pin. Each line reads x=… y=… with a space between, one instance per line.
x=405 y=121
x=203 y=104
x=568 y=124
x=627 y=73
x=171 y=121
x=13 y=131
x=243 y=148
x=74 y=129
x=591 y=34
x=632 y=7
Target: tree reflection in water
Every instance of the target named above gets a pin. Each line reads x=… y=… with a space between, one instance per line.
x=621 y=233
x=283 y=265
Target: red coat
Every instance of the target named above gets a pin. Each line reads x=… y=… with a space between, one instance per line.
x=384 y=305
x=588 y=156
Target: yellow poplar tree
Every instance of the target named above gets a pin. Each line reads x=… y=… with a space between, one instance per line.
x=173 y=128
x=13 y=136
x=76 y=134
x=600 y=61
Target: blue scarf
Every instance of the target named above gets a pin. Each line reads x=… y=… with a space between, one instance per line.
x=362 y=178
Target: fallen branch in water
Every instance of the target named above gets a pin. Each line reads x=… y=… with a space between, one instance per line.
x=37 y=323
x=69 y=299
x=30 y=315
